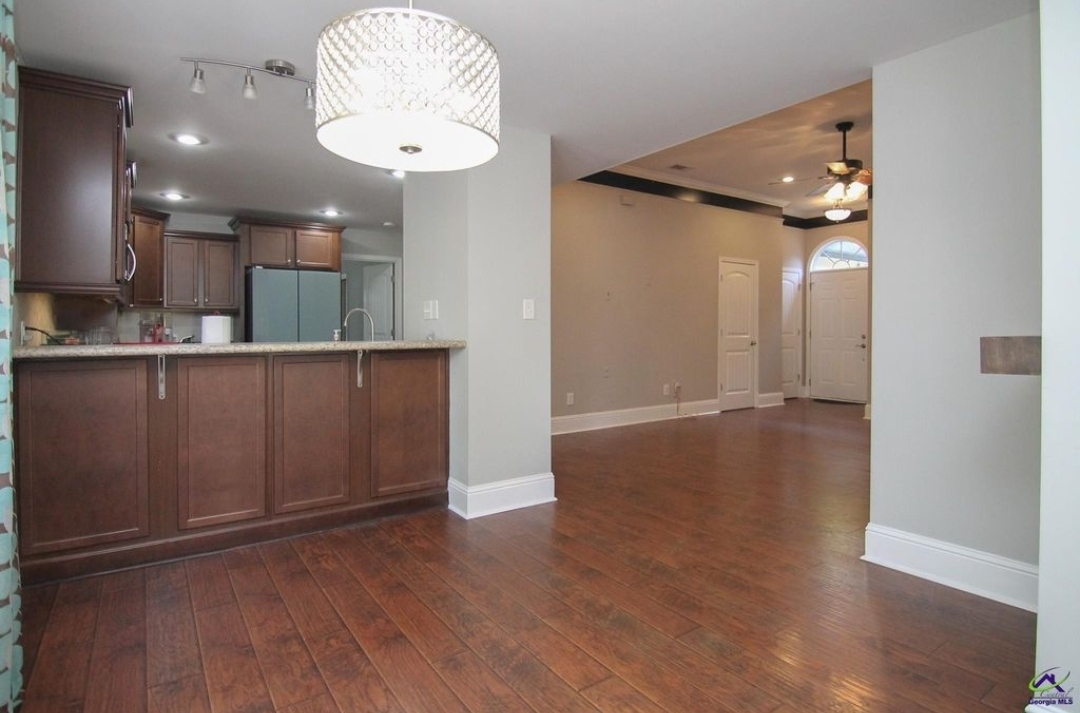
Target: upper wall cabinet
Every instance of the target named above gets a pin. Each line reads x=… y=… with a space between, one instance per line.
x=147 y=235
x=72 y=203
x=299 y=246
x=201 y=271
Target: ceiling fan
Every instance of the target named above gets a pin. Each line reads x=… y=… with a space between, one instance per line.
x=846 y=179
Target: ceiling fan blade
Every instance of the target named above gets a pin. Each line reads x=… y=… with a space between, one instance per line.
x=821 y=190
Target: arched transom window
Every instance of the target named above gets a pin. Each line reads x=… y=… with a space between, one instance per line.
x=841 y=254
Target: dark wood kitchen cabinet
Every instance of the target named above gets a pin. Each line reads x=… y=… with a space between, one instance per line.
x=312 y=427
x=300 y=246
x=83 y=454
x=72 y=214
x=201 y=271
x=220 y=440
x=410 y=412
x=147 y=285
x=125 y=461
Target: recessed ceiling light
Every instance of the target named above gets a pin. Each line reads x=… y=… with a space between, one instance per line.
x=330 y=212
x=397 y=173
x=189 y=139
x=174 y=196
x=389 y=224
x=788 y=179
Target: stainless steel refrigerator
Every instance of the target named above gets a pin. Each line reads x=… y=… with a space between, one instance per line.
x=292 y=305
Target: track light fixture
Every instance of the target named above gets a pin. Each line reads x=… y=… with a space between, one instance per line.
x=198 y=81
x=273 y=67
x=250 y=92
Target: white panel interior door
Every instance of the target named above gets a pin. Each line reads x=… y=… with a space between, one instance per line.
x=839 y=350
x=791 y=333
x=379 y=298
x=738 y=312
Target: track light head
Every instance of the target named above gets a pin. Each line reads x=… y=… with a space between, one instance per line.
x=250 y=92
x=198 y=81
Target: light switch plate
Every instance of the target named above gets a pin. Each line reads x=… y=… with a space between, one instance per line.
x=431 y=309
x=528 y=309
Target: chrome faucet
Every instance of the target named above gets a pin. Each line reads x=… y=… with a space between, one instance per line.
x=345 y=325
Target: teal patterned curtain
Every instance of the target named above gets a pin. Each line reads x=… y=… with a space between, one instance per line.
x=10 y=649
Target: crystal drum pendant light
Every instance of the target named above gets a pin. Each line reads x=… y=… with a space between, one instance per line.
x=407 y=89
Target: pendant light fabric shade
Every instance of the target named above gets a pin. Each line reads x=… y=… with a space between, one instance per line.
x=407 y=89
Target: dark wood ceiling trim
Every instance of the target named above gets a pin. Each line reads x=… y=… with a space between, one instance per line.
x=682 y=193
x=696 y=195
x=857 y=216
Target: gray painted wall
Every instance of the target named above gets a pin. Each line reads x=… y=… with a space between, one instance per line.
x=956 y=255
x=479 y=241
x=636 y=291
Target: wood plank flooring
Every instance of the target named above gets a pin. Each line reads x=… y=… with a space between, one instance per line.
x=704 y=564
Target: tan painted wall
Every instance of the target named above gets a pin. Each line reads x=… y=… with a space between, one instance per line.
x=634 y=295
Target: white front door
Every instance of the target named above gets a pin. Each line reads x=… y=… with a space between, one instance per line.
x=738 y=317
x=839 y=348
x=791 y=333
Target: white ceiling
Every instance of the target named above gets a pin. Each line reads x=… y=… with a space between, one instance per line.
x=610 y=80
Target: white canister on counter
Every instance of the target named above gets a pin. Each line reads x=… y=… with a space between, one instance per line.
x=216 y=329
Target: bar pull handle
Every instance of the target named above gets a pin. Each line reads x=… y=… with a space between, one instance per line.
x=359 y=368
x=161 y=377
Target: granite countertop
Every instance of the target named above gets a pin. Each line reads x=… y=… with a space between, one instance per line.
x=89 y=351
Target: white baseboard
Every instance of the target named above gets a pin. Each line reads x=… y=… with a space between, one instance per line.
x=767 y=400
x=1004 y=580
x=479 y=500
x=630 y=416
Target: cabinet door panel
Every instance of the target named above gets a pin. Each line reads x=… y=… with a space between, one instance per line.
x=316 y=249
x=71 y=146
x=219 y=275
x=182 y=272
x=83 y=463
x=148 y=243
x=311 y=431
x=221 y=440
x=409 y=417
x=272 y=246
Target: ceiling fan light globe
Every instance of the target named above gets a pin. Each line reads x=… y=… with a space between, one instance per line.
x=856 y=191
x=837 y=214
x=835 y=192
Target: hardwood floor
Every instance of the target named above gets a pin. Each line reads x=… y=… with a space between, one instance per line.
x=705 y=564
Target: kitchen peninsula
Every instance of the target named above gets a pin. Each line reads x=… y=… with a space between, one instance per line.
x=130 y=454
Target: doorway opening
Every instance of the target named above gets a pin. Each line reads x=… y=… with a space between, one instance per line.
x=372 y=282
x=839 y=317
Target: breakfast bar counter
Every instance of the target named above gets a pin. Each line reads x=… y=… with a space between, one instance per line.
x=131 y=454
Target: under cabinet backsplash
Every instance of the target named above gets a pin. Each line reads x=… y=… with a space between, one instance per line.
x=181 y=324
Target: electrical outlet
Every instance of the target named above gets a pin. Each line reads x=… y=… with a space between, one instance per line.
x=678 y=390
x=667 y=390
x=569 y=398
